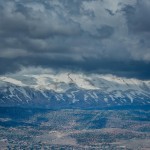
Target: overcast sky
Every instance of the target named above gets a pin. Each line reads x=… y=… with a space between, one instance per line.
x=103 y=36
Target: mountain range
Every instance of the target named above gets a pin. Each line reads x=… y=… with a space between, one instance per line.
x=72 y=90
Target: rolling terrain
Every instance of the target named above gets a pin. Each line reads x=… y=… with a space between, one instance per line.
x=22 y=128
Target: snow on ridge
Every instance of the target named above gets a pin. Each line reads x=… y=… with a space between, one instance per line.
x=60 y=82
x=91 y=86
x=11 y=80
x=120 y=80
x=51 y=81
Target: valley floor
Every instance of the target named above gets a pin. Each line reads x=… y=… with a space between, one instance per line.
x=70 y=129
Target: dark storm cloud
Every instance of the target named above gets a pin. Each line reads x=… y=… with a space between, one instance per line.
x=138 y=16
x=89 y=35
x=104 y=32
x=110 y=12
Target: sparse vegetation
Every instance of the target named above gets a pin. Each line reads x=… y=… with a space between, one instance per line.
x=74 y=129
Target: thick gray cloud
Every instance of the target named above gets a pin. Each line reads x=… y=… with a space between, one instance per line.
x=137 y=16
x=89 y=35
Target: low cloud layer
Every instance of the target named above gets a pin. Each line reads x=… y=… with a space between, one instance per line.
x=89 y=35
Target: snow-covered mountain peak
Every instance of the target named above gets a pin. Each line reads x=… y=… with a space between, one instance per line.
x=12 y=80
x=73 y=88
x=60 y=82
x=52 y=81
